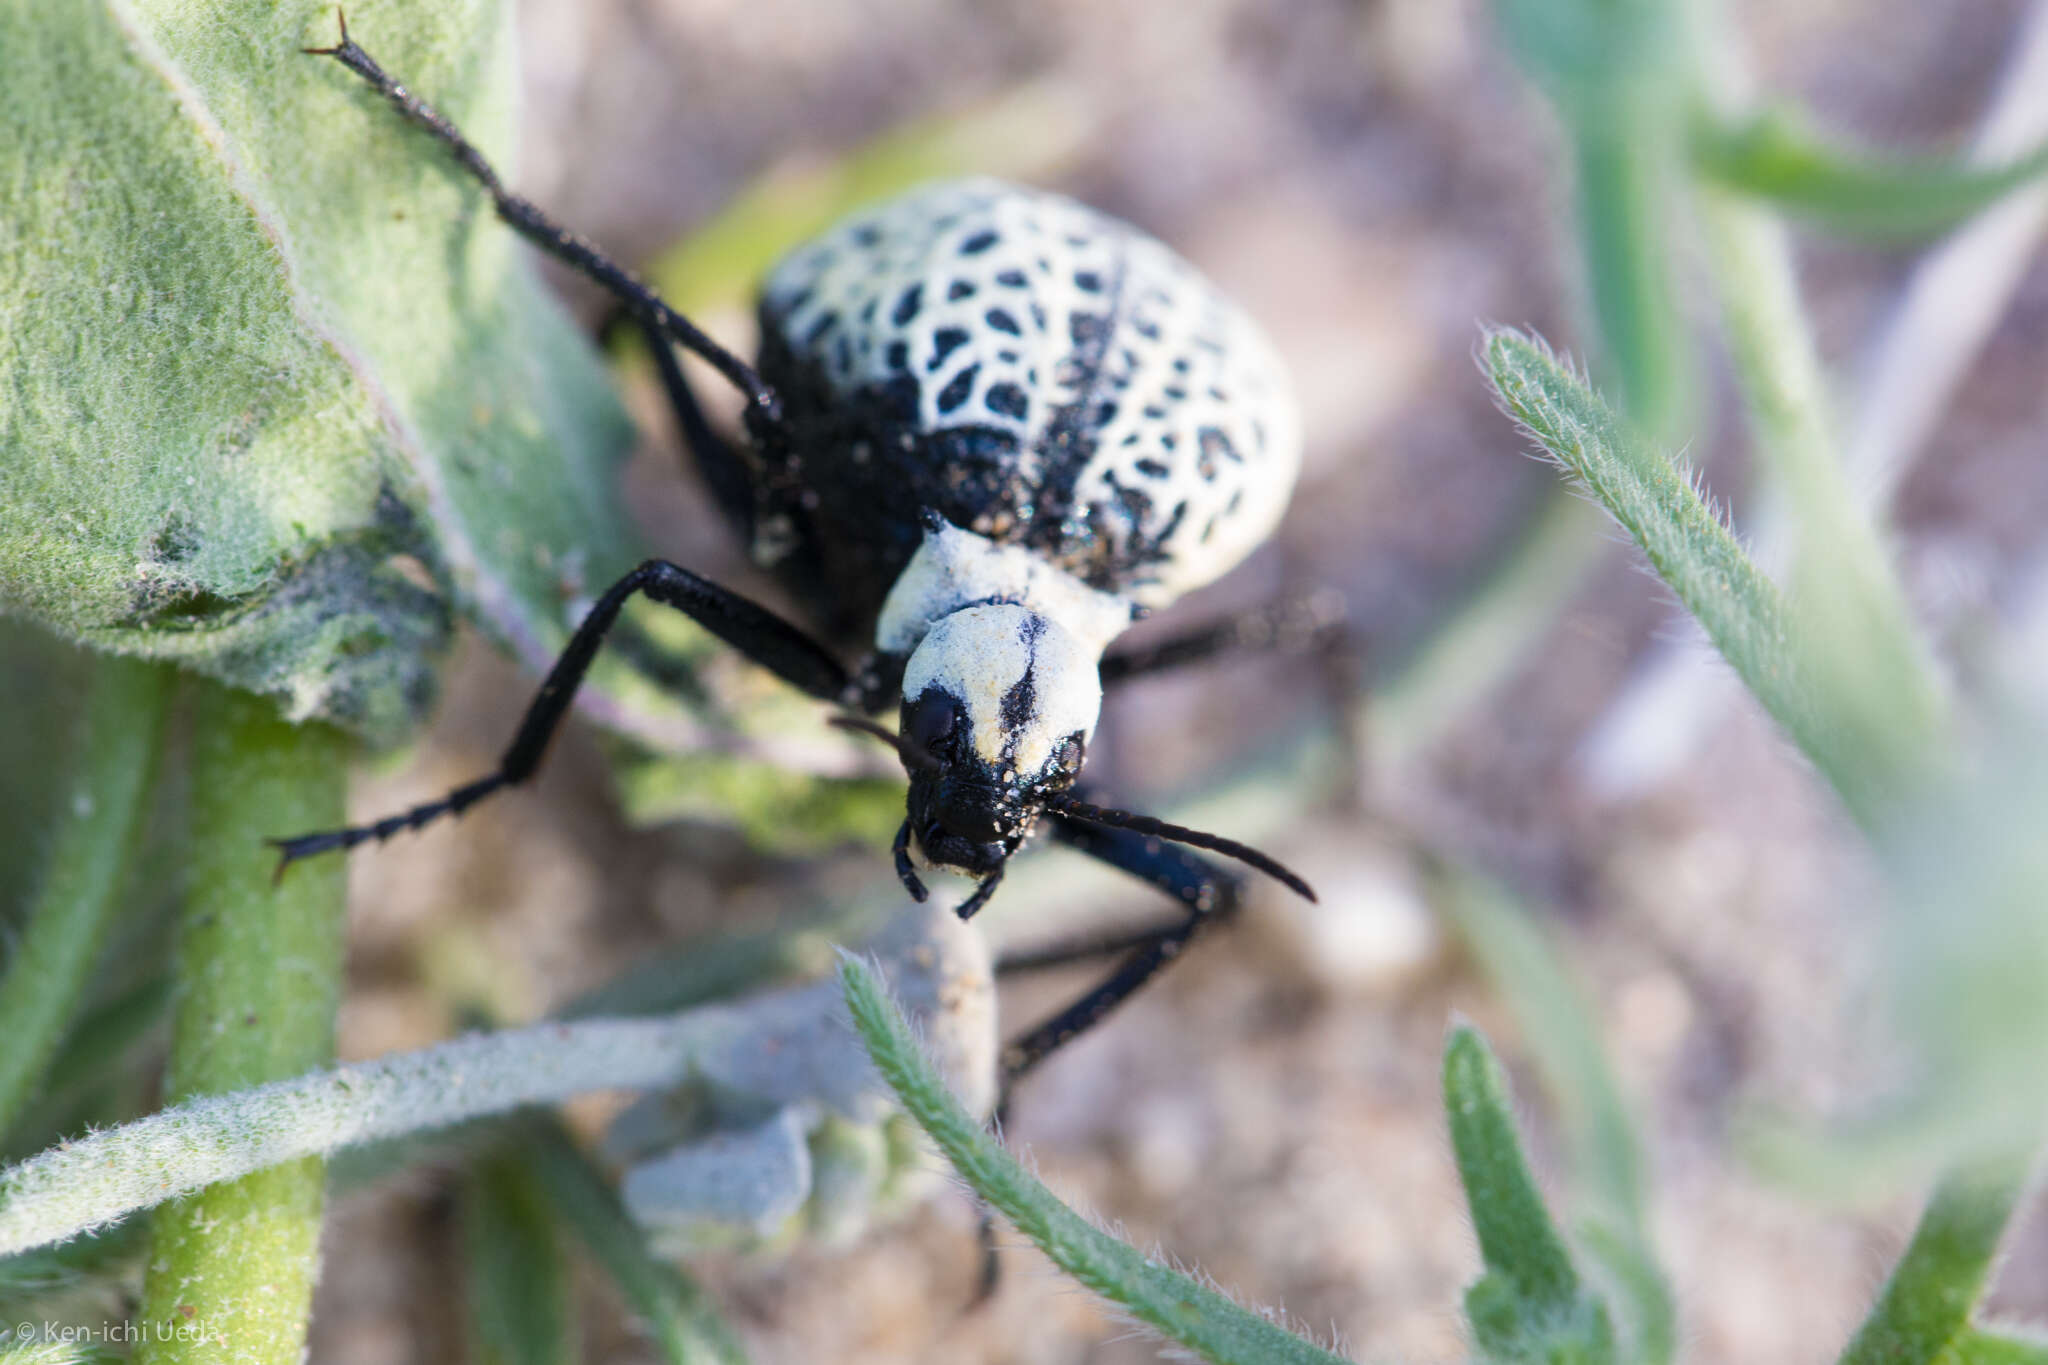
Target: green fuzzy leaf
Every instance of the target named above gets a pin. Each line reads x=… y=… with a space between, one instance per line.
x=1531 y=976
x=1926 y=1305
x=1530 y=1304
x=1837 y=670
x=1775 y=157
x=1997 y=1348
x=1617 y=73
x=282 y=398
x=1179 y=1309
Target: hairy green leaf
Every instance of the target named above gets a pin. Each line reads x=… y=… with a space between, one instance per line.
x=1998 y=1348
x=282 y=398
x=1530 y=1304
x=1801 y=664
x=1175 y=1306
x=1560 y=1031
x=1926 y=1305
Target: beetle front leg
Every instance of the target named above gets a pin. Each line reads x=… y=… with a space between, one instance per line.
x=756 y=632
x=1207 y=895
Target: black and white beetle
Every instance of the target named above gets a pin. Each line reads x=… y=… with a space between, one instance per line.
x=994 y=427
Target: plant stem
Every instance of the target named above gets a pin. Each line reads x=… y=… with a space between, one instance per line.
x=1627 y=154
x=231 y=1268
x=214 y=1138
x=1883 y=682
x=522 y=1308
x=123 y=724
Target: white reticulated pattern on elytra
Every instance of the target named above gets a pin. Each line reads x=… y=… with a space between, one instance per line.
x=988 y=296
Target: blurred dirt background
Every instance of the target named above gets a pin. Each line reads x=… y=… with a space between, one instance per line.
x=1371 y=179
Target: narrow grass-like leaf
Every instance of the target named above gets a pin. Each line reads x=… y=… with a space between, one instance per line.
x=102 y=805
x=1175 y=1306
x=1692 y=550
x=259 y=976
x=26 y=1277
x=40 y=1352
x=686 y=1328
x=1517 y=1240
x=521 y=1309
x=89 y=1057
x=1966 y=951
x=1530 y=1304
x=1565 y=1040
x=1776 y=158
x=1926 y=1305
x=2002 y=1347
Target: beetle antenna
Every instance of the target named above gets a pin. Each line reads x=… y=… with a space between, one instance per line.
x=913 y=755
x=1075 y=809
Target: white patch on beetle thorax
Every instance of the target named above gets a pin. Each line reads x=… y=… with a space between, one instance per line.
x=1025 y=682
x=955 y=568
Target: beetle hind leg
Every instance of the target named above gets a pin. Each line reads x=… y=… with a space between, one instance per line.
x=764 y=407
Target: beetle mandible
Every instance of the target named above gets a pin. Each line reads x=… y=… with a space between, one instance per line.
x=992 y=427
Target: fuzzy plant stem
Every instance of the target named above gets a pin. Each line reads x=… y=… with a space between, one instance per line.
x=258 y=974
x=1886 y=682
x=207 y=1139
x=46 y=972
x=1179 y=1309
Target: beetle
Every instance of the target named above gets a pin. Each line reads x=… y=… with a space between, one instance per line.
x=992 y=427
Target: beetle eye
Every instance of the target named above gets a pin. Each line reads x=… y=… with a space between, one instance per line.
x=930 y=719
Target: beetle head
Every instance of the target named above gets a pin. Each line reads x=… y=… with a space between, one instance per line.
x=998 y=705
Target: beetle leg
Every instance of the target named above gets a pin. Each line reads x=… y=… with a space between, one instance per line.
x=764 y=408
x=756 y=632
x=1291 y=625
x=728 y=471
x=1207 y=894
x=1072 y=951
